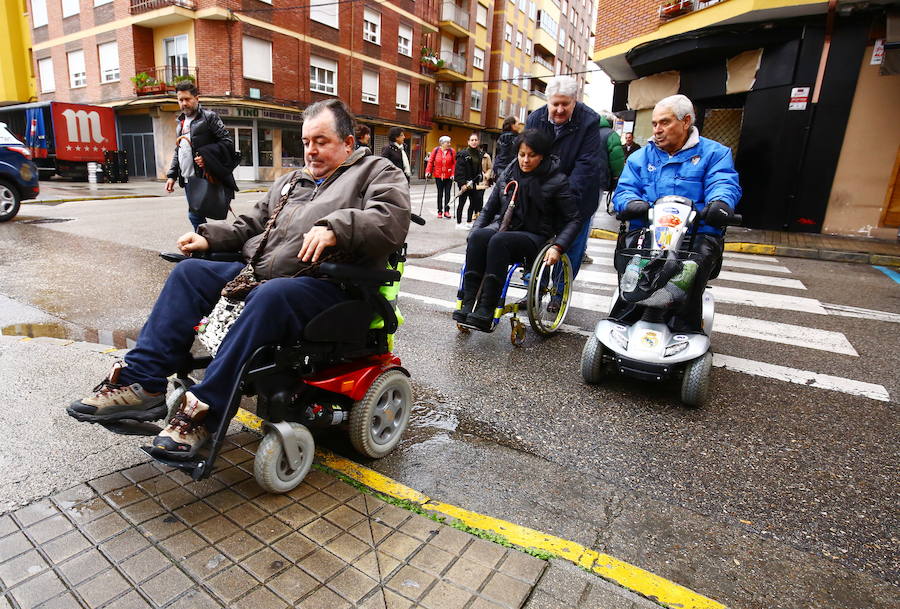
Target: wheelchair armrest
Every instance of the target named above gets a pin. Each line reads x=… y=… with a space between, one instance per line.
x=349 y=272
x=216 y=256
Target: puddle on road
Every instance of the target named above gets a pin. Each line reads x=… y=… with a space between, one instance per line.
x=120 y=339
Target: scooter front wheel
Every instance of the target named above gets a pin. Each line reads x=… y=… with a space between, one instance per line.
x=592 y=361
x=695 y=384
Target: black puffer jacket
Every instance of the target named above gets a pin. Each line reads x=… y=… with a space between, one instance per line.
x=505 y=153
x=553 y=213
x=206 y=128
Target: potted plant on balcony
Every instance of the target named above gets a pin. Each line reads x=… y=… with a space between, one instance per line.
x=430 y=60
x=180 y=78
x=674 y=8
x=144 y=84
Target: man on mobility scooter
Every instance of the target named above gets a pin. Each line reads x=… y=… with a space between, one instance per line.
x=345 y=205
x=677 y=161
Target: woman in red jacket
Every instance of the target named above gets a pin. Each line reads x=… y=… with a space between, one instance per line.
x=441 y=164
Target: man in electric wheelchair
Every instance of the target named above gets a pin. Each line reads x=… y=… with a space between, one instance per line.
x=530 y=204
x=345 y=205
x=677 y=161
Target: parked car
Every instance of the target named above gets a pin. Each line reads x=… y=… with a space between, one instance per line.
x=18 y=175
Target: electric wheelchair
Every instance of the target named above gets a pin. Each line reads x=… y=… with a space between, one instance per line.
x=547 y=295
x=341 y=373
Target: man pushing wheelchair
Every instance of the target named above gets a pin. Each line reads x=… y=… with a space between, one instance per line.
x=345 y=205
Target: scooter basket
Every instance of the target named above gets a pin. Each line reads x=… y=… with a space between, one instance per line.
x=656 y=278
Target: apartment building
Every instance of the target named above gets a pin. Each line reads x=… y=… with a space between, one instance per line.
x=496 y=57
x=803 y=91
x=257 y=63
x=17 y=82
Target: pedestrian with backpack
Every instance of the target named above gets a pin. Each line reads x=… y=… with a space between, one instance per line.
x=441 y=165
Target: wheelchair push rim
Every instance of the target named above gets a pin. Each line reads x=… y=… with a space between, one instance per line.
x=549 y=284
x=379 y=420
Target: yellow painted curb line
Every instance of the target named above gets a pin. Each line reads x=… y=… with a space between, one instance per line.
x=602 y=233
x=654 y=587
x=751 y=248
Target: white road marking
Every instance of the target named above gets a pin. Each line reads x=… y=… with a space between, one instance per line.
x=872 y=314
x=737 y=364
x=735 y=259
x=787 y=334
x=611 y=278
x=802 y=377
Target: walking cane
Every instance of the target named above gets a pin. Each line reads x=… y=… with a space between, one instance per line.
x=422 y=205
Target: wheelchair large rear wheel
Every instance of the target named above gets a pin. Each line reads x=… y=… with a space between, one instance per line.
x=379 y=419
x=549 y=293
x=271 y=468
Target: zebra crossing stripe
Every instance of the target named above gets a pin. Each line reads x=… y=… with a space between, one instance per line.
x=737 y=364
x=611 y=278
x=802 y=377
x=788 y=334
x=746 y=261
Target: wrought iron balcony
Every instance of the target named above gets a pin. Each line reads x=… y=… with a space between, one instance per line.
x=449 y=108
x=162 y=79
x=453 y=13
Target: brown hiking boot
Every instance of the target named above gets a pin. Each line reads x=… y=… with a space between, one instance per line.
x=112 y=401
x=185 y=434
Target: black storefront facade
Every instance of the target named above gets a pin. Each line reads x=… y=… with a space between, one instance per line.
x=788 y=123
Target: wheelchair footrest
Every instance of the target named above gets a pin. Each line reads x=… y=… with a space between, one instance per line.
x=128 y=427
x=197 y=468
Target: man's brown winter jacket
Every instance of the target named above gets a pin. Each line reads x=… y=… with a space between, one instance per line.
x=365 y=202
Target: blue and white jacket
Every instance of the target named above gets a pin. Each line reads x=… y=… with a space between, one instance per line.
x=702 y=171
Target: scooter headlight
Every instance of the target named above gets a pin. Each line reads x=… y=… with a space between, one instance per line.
x=619 y=337
x=675 y=349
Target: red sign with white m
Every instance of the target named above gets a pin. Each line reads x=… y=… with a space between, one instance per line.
x=82 y=132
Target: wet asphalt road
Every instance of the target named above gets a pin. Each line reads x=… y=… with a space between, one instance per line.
x=774 y=495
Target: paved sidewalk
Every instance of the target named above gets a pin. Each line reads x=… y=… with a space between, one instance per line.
x=60 y=191
x=149 y=536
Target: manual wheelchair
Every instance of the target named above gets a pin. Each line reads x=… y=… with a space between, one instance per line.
x=547 y=295
x=341 y=373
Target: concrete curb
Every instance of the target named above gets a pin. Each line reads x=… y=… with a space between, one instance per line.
x=786 y=251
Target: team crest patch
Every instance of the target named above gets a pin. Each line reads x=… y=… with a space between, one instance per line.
x=695 y=160
x=651 y=167
x=650 y=339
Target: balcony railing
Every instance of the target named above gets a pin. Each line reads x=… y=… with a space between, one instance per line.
x=537 y=93
x=677 y=8
x=162 y=79
x=143 y=6
x=454 y=61
x=449 y=108
x=451 y=12
x=543 y=62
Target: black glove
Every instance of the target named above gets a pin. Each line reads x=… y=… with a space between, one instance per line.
x=634 y=209
x=717 y=214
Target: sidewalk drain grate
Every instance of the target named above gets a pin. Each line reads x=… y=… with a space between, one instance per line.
x=46 y=220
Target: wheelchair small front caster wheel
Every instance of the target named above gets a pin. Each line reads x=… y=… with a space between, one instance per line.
x=462 y=329
x=272 y=468
x=517 y=335
x=379 y=419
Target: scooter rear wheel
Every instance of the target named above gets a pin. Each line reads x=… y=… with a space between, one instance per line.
x=695 y=384
x=592 y=361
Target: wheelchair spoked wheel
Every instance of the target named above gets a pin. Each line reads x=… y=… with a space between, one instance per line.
x=379 y=419
x=549 y=293
x=273 y=470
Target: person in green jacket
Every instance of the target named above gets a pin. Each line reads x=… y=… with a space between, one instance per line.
x=613 y=146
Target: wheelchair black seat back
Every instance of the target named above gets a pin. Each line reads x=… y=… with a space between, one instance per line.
x=340 y=373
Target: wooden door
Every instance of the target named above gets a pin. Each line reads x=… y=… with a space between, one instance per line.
x=892 y=199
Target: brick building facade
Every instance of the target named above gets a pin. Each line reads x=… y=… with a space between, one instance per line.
x=257 y=63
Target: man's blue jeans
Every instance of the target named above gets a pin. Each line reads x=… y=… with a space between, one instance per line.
x=275 y=312
x=196 y=219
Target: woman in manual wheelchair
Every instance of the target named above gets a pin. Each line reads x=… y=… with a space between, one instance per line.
x=530 y=216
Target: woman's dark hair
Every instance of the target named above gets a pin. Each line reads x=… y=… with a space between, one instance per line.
x=508 y=123
x=344 y=121
x=186 y=85
x=535 y=139
x=362 y=131
x=394 y=133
